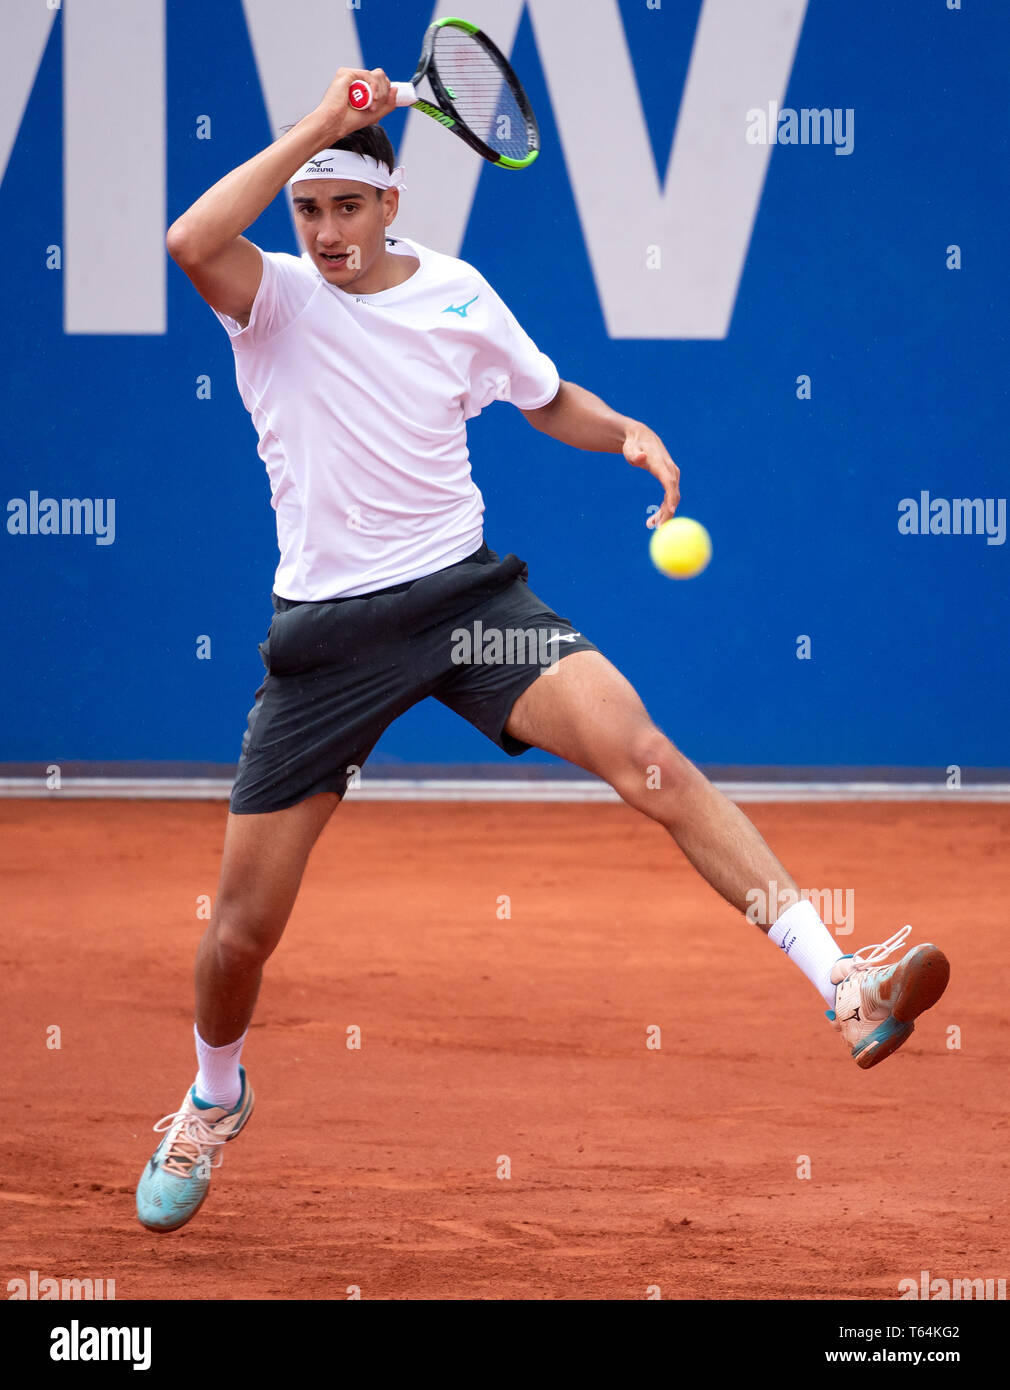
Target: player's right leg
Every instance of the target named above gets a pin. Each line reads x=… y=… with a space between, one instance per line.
x=262 y=865
x=261 y=870
x=338 y=673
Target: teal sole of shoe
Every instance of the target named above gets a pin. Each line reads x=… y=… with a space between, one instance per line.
x=167 y=1230
x=919 y=980
x=884 y=1040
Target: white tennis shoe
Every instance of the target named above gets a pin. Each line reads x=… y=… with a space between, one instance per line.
x=876 y=1005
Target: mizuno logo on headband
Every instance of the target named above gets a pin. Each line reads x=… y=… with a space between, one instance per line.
x=346 y=164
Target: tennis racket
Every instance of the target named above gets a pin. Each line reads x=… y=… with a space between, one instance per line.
x=476 y=94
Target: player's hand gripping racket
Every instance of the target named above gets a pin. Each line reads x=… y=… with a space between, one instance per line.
x=476 y=94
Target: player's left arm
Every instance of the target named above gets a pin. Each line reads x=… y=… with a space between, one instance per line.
x=577 y=417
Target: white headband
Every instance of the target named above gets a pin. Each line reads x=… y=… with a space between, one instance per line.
x=345 y=164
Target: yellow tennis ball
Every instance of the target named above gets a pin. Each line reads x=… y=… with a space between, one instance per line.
x=680 y=547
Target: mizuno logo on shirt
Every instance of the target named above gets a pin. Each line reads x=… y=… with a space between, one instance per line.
x=461 y=309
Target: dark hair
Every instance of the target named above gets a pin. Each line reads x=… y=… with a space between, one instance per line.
x=369 y=140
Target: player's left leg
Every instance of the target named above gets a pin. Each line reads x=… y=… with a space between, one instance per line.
x=586 y=712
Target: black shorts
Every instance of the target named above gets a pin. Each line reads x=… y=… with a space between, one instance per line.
x=339 y=672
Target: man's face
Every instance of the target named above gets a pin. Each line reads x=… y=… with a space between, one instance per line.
x=342 y=225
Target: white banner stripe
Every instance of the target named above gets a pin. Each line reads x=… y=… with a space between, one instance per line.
x=26 y=30
x=466 y=789
x=114 y=166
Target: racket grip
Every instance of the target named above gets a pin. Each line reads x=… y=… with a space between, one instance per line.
x=359 y=94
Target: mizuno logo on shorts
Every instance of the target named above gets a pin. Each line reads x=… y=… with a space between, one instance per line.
x=562 y=637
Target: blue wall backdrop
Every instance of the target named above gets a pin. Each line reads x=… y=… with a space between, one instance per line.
x=846 y=279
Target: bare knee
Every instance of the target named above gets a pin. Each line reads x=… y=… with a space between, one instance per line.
x=242 y=937
x=654 y=774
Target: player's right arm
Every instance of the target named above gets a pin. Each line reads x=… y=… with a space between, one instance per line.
x=207 y=241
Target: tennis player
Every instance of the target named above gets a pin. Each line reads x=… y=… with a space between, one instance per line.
x=360 y=362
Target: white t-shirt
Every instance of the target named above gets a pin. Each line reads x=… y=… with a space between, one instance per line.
x=361 y=403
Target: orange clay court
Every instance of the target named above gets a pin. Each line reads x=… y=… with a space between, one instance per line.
x=484 y=1037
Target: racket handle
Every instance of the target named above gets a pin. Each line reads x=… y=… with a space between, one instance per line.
x=359 y=94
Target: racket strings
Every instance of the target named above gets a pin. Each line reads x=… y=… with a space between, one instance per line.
x=480 y=94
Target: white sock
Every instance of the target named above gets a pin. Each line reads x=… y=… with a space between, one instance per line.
x=806 y=941
x=218 y=1081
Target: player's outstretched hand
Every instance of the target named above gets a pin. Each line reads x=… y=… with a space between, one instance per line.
x=643 y=448
x=340 y=116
